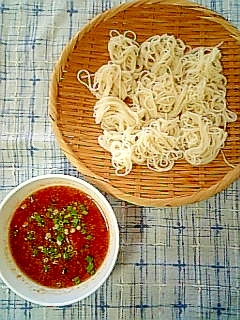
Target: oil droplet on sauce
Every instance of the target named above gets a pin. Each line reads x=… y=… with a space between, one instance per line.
x=58 y=237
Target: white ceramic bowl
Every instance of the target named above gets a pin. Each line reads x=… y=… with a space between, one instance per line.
x=24 y=286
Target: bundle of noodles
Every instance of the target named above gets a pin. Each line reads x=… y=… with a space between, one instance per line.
x=176 y=106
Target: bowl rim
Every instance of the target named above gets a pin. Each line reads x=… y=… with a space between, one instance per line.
x=103 y=272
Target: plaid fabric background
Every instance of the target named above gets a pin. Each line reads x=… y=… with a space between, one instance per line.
x=174 y=263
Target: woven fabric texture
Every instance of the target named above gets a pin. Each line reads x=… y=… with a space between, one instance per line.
x=173 y=263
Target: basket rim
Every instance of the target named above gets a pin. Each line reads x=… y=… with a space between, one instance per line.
x=98 y=180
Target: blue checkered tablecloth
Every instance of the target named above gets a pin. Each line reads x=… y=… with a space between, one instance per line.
x=174 y=263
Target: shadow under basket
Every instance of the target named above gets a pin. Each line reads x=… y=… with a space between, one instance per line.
x=71 y=104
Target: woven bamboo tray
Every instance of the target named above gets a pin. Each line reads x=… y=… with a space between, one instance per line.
x=71 y=104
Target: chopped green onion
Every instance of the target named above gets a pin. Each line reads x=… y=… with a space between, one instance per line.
x=83 y=209
x=30 y=235
x=72 y=211
x=60 y=237
x=46 y=268
x=35 y=252
x=90 y=267
x=89 y=237
x=76 y=280
x=38 y=219
x=75 y=222
x=66 y=255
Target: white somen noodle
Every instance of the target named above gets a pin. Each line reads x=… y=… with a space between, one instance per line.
x=159 y=101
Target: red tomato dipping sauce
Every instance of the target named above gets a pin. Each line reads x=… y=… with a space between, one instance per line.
x=58 y=237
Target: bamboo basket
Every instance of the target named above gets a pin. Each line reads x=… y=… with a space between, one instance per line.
x=71 y=104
